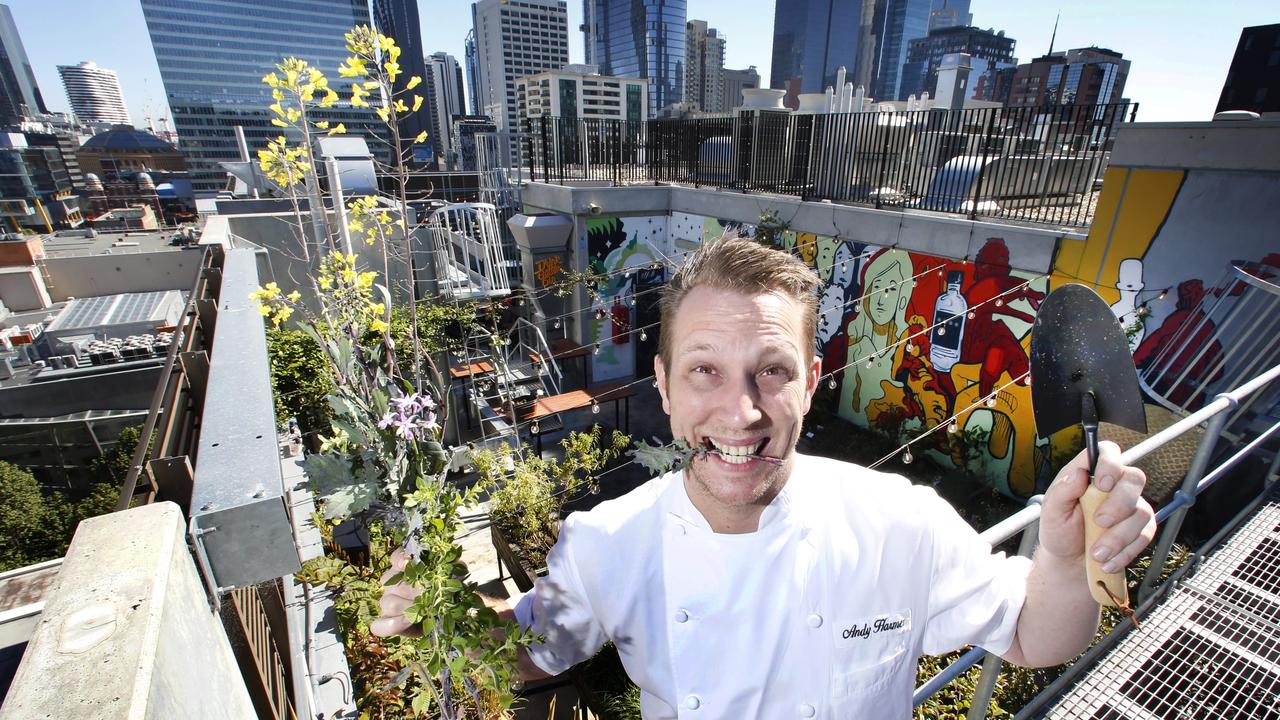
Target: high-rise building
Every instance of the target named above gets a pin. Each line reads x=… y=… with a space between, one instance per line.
x=1253 y=82
x=704 y=67
x=1083 y=76
x=579 y=91
x=213 y=54
x=398 y=19
x=989 y=53
x=894 y=25
x=639 y=39
x=813 y=39
x=515 y=39
x=94 y=93
x=473 y=72
x=443 y=83
x=35 y=185
x=735 y=81
x=951 y=13
x=19 y=93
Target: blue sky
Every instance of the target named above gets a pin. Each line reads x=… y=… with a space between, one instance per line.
x=1180 y=48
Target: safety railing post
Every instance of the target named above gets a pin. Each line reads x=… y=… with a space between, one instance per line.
x=992 y=663
x=1186 y=493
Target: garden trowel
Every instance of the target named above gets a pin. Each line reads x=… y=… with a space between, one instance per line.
x=1082 y=373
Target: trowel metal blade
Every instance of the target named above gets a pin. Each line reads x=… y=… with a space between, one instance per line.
x=1078 y=347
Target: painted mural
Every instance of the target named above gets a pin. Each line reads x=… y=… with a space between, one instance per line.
x=1160 y=251
x=916 y=342
x=625 y=250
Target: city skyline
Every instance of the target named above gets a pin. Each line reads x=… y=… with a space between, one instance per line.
x=1180 y=55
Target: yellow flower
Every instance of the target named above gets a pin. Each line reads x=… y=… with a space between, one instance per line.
x=271 y=79
x=422 y=137
x=417 y=102
x=279 y=123
x=384 y=112
x=413 y=82
x=323 y=124
x=264 y=310
x=378 y=325
x=366 y=280
x=294 y=296
x=338 y=129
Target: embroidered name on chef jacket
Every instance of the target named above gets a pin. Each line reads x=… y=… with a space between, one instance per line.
x=883 y=625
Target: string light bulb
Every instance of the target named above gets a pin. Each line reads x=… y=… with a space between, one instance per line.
x=557 y=323
x=595 y=489
x=534 y=428
x=953 y=427
x=991 y=401
x=643 y=336
x=999 y=302
x=596 y=351
x=831 y=383
x=595 y=408
x=907 y=458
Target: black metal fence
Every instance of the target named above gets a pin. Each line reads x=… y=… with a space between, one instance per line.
x=1037 y=164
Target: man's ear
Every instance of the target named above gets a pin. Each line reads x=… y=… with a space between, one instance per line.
x=660 y=375
x=811 y=382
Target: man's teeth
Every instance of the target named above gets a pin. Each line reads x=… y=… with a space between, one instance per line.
x=735 y=454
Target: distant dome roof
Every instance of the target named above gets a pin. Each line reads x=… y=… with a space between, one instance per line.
x=126 y=137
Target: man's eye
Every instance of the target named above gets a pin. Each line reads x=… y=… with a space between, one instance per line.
x=704 y=369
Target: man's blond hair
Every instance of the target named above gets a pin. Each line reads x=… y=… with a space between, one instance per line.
x=745 y=266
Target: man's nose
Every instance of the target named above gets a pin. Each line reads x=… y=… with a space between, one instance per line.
x=743 y=402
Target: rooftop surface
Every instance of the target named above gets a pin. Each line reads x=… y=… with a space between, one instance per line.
x=110 y=243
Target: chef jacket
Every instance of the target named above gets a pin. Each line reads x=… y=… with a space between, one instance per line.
x=821 y=612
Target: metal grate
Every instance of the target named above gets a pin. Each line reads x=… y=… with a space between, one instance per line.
x=1209 y=650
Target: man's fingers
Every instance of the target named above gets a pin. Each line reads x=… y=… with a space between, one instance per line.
x=1109 y=471
x=392 y=605
x=387 y=626
x=1063 y=495
x=1122 y=543
x=1125 y=496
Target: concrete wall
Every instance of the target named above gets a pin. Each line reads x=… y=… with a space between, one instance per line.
x=127 y=631
x=109 y=389
x=22 y=288
x=1180 y=203
x=93 y=275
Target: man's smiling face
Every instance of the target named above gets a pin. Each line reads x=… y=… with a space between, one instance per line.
x=740 y=381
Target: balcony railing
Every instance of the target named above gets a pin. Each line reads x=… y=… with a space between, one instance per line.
x=1040 y=165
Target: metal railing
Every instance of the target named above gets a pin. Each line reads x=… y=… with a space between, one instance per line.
x=1035 y=164
x=469 y=256
x=1170 y=517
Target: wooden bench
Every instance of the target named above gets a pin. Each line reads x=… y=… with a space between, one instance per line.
x=578 y=399
x=459 y=372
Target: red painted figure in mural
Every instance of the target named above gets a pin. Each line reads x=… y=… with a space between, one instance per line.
x=988 y=340
x=1185 y=333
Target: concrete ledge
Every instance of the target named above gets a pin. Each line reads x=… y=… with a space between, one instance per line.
x=127 y=631
x=1243 y=145
x=1030 y=249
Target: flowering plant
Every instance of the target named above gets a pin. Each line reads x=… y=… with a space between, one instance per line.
x=382 y=459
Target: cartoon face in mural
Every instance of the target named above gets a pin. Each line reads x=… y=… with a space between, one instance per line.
x=613 y=245
x=887 y=279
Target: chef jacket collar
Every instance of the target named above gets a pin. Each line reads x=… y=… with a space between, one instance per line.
x=782 y=509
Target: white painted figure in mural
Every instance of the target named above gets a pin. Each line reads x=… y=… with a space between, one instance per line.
x=831 y=308
x=1126 y=308
x=762 y=583
x=879 y=324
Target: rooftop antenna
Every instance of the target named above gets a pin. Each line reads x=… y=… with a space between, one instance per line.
x=1054 y=36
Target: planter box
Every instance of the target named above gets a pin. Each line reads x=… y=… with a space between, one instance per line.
x=507 y=557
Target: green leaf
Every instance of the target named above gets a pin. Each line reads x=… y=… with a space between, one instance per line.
x=344 y=503
x=660 y=458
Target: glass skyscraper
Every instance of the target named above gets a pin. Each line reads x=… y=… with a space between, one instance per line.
x=213 y=54
x=19 y=94
x=639 y=39
x=813 y=39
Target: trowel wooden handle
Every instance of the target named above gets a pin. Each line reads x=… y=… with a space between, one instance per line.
x=1112 y=582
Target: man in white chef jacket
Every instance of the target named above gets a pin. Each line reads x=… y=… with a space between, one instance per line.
x=743 y=588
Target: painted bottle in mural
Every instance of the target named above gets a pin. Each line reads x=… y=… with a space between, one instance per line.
x=948 y=324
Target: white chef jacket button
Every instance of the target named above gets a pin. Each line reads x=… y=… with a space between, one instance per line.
x=815 y=621
x=693 y=702
x=682 y=616
x=807 y=710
